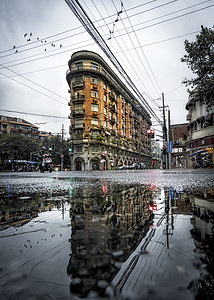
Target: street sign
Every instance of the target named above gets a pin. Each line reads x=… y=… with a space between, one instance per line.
x=62 y=155
x=169 y=146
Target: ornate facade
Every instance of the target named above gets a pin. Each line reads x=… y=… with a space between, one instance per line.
x=108 y=124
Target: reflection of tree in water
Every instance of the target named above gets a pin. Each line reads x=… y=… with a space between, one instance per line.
x=203 y=234
x=107 y=224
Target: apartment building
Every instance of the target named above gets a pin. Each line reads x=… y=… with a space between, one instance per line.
x=179 y=135
x=108 y=124
x=200 y=142
x=14 y=125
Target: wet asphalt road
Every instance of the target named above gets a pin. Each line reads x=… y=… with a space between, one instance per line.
x=141 y=234
x=15 y=183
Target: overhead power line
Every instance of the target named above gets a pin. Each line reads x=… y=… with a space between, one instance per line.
x=33 y=114
x=33 y=89
x=103 y=19
x=91 y=29
x=39 y=85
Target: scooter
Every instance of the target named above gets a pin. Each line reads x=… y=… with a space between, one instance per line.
x=46 y=163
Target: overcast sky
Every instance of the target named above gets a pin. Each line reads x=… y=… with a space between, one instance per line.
x=39 y=37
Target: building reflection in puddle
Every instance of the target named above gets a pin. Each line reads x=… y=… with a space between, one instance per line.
x=107 y=225
x=126 y=241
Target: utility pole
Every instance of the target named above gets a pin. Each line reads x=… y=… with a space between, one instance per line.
x=164 y=133
x=169 y=139
x=63 y=131
x=62 y=155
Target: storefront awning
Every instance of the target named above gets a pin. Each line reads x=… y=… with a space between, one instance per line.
x=197 y=152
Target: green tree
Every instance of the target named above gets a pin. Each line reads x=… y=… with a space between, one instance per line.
x=60 y=147
x=17 y=146
x=200 y=59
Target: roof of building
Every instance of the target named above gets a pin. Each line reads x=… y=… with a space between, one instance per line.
x=16 y=120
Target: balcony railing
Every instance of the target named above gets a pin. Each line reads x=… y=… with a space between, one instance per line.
x=78 y=83
x=78 y=97
x=78 y=112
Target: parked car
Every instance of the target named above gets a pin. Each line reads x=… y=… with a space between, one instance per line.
x=121 y=167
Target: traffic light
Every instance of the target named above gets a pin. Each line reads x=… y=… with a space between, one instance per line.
x=70 y=148
x=151 y=133
x=51 y=147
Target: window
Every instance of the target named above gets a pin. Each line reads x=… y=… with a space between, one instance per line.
x=94 y=107
x=94 y=80
x=78 y=122
x=110 y=127
x=104 y=85
x=94 y=67
x=78 y=107
x=78 y=78
x=95 y=148
x=79 y=66
x=4 y=118
x=79 y=94
x=105 y=111
x=94 y=121
x=104 y=98
x=105 y=124
x=94 y=94
x=4 y=126
x=94 y=133
x=79 y=133
x=78 y=149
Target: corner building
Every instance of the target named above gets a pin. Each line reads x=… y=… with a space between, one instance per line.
x=108 y=124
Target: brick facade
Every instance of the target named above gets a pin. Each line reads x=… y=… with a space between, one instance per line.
x=108 y=124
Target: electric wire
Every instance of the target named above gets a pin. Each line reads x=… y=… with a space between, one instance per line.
x=33 y=89
x=127 y=59
x=69 y=30
x=178 y=16
x=89 y=26
x=33 y=114
x=39 y=85
x=144 y=81
x=114 y=36
x=41 y=45
x=143 y=54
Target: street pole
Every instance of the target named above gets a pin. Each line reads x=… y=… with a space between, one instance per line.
x=169 y=139
x=62 y=156
x=164 y=131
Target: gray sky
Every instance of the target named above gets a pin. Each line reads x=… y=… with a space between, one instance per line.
x=148 y=41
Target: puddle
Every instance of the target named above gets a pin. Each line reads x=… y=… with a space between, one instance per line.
x=103 y=239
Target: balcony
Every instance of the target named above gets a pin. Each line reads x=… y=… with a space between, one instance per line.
x=78 y=98
x=112 y=120
x=95 y=86
x=78 y=84
x=78 y=112
x=112 y=107
x=112 y=95
x=95 y=100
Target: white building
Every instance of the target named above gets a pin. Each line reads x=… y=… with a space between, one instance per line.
x=201 y=133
